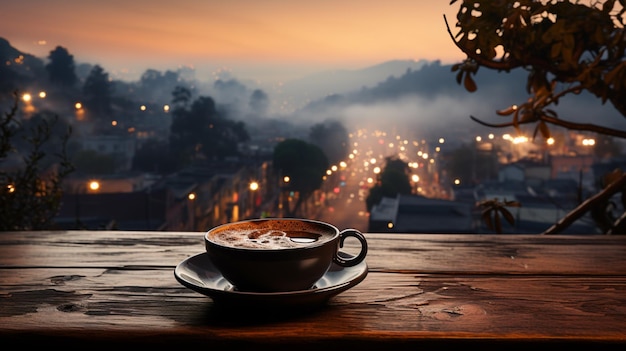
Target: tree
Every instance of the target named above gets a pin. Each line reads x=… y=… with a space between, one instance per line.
x=155 y=86
x=98 y=91
x=31 y=177
x=566 y=47
x=61 y=68
x=305 y=164
x=201 y=131
x=259 y=103
x=181 y=97
x=393 y=180
x=332 y=137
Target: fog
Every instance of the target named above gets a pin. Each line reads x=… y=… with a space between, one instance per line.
x=415 y=97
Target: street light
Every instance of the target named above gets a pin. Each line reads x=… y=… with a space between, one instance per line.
x=94 y=185
x=254 y=186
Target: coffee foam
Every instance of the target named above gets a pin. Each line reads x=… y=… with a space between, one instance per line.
x=256 y=239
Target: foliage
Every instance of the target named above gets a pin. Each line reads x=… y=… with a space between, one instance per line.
x=392 y=180
x=200 y=130
x=97 y=91
x=155 y=86
x=30 y=192
x=304 y=163
x=61 y=67
x=259 y=102
x=332 y=137
x=566 y=47
x=494 y=210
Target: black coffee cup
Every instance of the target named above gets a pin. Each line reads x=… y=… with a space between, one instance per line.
x=278 y=254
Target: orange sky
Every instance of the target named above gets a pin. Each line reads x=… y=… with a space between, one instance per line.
x=279 y=37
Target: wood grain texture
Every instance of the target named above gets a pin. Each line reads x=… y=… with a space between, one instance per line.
x=118 y=288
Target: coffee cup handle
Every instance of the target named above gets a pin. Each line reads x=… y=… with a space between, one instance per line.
x=349 y=262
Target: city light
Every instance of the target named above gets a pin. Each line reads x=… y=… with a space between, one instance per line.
x=191 y=196
x=520 y=139
x=589 y=142
x=94 y=185
x=254 y=186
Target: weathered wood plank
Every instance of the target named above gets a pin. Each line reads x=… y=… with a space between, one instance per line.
x=415 y=305
x=513 y=291
x=420 y=253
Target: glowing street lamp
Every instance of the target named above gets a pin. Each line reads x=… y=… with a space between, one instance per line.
x=94 y=185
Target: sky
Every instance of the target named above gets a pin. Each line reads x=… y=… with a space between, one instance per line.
x=263 y=40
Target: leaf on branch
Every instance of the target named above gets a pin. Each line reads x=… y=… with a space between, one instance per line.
x=497 y=222
x=507 y=111
x=487 y=218
x=469 y=83
x=507 y=215
x=543 y=128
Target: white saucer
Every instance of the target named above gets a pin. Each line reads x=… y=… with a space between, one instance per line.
x=199 y=274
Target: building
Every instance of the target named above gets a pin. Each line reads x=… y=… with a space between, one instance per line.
x=418 y=214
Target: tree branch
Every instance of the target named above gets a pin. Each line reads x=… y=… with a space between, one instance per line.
x=561 y=123
x=586 y=205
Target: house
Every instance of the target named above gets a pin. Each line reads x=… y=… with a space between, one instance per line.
x=418 y=214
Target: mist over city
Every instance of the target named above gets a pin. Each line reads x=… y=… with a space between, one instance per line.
x=417 y=103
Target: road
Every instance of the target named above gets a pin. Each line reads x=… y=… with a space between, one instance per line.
x=347 y=209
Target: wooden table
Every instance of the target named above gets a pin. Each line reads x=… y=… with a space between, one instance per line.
x=117 y=289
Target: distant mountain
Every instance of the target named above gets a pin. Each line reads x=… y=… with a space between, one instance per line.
x=429 y=99
x=340 y=81
x=319 y=85
x=410 y=94
x=17 y=68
